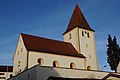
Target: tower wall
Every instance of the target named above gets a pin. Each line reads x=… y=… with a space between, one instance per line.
x=84 y=42
x=88 y=48
x=72 y=37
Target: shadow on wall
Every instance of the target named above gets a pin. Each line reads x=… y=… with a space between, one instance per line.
x=44 y=72
x=37 y=72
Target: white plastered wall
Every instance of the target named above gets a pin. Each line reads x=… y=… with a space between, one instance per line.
x=74 y=38
x=63 y=61
x=20 y=57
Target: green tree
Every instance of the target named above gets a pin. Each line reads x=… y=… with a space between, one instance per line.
x=112 y=53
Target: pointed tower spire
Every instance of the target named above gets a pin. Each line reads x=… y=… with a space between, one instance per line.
x=77 y=20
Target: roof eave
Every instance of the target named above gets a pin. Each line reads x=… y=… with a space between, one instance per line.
x=78 y=27
x=80 y=56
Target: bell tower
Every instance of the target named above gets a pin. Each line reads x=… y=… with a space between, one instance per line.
x=81 y=36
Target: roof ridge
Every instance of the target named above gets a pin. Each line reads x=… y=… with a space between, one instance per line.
x=44 y=38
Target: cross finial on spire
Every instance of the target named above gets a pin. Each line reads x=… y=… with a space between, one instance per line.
x=76 y=2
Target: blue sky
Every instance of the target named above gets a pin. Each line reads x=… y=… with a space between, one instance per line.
x=49 y=18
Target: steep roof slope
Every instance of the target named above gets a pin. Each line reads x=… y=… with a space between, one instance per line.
x=35 y=43
x=77 y=20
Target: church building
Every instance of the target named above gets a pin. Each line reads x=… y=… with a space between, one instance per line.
x=75 y=57
x=76 y=51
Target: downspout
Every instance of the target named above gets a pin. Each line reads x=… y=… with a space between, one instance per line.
x=27 y=59
x=27 y=64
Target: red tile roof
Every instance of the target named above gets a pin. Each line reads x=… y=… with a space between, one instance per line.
x=6 y=68
x=35 y=43
x=77 y=20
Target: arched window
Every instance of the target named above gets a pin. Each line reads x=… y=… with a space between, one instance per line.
x=55 y=64
x=89 y=68
x=40 y=61
x=72 y=65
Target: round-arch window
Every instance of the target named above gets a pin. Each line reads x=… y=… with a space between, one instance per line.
x=72 y=65
x=55 y=64
x=40 y=61
x=89 y=68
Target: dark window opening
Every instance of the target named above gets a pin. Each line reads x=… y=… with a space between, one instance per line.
x=10 y=75
x=88 y=35
x=72 y=65
x=55 y=64
x=40 y=61
x=89 y=68
x=82 y=33
x=70 y=36
x=2 y=73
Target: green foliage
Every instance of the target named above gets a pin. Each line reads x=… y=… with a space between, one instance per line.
x=113 y=53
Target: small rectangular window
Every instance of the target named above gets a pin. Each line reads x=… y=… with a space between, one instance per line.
x=18 y=63
x=82 y=33
x=88 y=35
x=70 y=36
x=86 y=44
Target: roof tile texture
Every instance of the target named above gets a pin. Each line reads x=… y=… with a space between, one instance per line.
x=35 y=43
x=77 y=20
